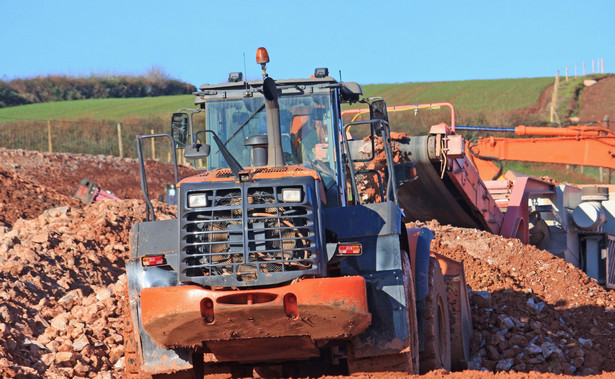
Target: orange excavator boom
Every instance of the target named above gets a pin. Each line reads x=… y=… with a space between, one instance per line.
x=580 y=145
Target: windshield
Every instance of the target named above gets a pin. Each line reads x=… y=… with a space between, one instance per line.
x=306 y=126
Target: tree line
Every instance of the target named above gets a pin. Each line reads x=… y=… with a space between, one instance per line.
x=59 y=88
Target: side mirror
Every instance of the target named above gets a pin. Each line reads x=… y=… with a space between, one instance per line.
x=378 y=110
x=197 y=151
x=179 y=129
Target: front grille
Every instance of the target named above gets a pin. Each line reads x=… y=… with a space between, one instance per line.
x=247 y=236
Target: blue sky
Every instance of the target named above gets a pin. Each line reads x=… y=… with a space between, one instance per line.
x=369 y=41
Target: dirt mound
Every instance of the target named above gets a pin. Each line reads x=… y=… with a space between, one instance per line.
x=64 y=171
x=597 y=101
x=22 y=198
x=531 y=310
x=34 y=181
x=62 y=289
x=63 y=275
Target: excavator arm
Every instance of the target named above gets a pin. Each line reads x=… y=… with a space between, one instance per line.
x=582 y=145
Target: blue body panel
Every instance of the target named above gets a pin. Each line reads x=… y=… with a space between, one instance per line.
x=378 y=228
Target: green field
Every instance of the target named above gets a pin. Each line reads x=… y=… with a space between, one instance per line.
x=99 y=109
x=475 y=95
x=472 y=96
x=90 y=126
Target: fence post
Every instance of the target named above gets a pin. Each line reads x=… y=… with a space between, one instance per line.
x=119 y=139
x=153 y=145
x=49 y=136
x=603 y=65
x=554 y=99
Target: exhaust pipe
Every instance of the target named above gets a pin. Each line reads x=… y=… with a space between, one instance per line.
x=275 y=157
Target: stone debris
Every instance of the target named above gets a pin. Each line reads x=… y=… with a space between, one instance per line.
x=62 y=282
x=530 y=306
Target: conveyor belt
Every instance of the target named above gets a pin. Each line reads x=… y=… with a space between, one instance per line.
x=429 y=197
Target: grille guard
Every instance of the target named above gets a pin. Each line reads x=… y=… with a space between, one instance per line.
x=246 y=236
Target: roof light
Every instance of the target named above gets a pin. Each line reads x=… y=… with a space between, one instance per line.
x=234 y=77
x=321 y=72
x=156 y=260
x=347 y=249
x=262 y=57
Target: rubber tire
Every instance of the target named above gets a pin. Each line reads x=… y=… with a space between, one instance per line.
x=437 y=352
x=413 y=346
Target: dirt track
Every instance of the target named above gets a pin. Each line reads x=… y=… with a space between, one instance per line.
x=62 y=276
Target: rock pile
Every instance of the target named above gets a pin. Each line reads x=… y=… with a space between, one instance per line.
x=62 y=289
x=531 y=310
x=62 y=284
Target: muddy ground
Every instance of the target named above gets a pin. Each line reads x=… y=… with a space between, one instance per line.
x=62 y=277
x=596 y=103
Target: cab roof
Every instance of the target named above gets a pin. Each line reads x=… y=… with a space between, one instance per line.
x=286 y=86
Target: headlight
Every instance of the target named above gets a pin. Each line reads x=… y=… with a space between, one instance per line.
x=196 y=200
x=291 y=195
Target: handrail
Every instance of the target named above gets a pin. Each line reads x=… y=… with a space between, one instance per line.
x=149 y=212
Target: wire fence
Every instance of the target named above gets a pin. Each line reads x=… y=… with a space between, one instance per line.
x=86 y=137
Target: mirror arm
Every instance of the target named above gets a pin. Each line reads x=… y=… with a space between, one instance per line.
x=234 y=165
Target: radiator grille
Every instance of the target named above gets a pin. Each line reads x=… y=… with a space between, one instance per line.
x=247 y=236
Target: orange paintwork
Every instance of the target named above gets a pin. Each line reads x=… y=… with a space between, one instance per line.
x=224 y=174
x=572 y=131
x=586 y=146
x=328 y=308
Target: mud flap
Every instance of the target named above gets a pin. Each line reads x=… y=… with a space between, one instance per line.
x=459 y=311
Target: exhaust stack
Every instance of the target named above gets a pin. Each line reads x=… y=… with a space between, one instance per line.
x=275 y=157
x=274 y=133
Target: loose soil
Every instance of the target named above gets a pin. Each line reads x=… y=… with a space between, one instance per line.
x=62 y=278
x=597 y=101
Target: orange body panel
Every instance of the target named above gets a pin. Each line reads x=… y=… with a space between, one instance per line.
x=321 y=309
x=225 y=174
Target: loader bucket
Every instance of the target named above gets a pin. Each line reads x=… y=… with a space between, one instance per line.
x=459 y=311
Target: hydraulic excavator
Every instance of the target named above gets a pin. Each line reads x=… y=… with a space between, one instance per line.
x=574 y=222
x=276 y=263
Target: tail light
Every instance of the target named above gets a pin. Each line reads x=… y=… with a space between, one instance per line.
x=349 y=249
x=156 y=260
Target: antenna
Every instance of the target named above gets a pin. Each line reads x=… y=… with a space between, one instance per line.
x=340 y=76
x=245 y=70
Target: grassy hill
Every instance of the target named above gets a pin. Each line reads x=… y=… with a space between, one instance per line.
x=98 y=109
x=503 y=102
x=485 y=96
x=476 y=95
x=477 y=102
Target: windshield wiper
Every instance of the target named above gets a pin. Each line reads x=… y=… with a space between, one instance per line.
x=245 y=123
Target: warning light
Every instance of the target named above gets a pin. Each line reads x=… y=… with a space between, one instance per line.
x=262 y=57
x=349 y=249
x=156 y=260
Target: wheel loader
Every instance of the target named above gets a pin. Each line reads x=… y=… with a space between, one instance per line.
x=277 y=264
